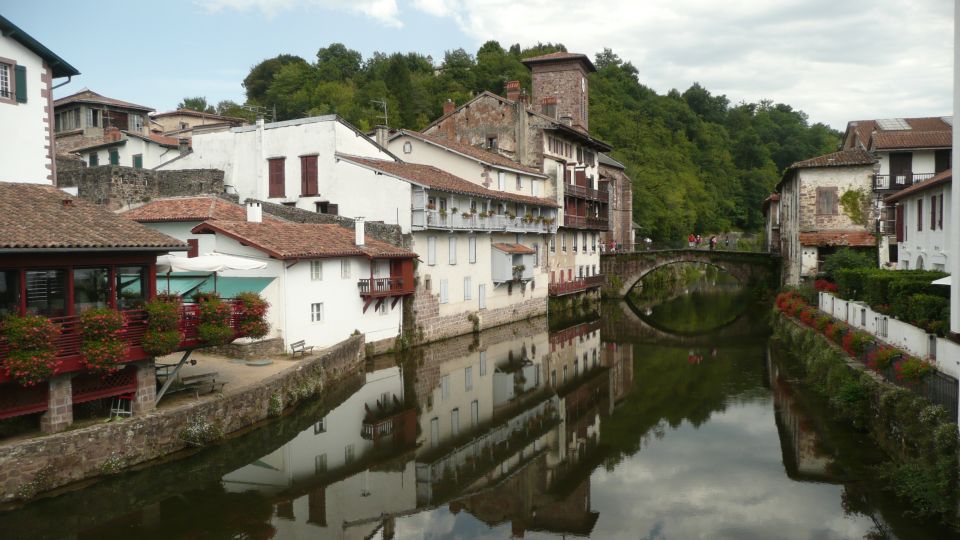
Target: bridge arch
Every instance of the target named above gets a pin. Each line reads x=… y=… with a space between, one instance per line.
x=623 y=270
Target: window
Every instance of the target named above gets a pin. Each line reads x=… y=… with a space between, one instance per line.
x=467 y=288
x=563 y=242
x=135 y=122
x=6 y=78
x=94 y=159
x=474 y=413
x=316 y=312
x=468 y=379
x=320 y=427
x=194 y=247
x=184 y=125
x=349 y=453
x=384 y=308
x=407 y=147
x=9 y=292
x=46 y=292
x=492 y=143
x=535 y=187
x=519 y=183
x=138 y=161
x=483 y=363
x=93 y=118
x=308 y=176
x=455 y=422
x=434 y=431
x=131 y=287
x=345 y=268
x=431 y=250
x=574 y=242
x=564 y=374
x=472 y=248
x=553 y=244
x=444 y=387
x=91 y=289
x=316 y=270
x=593 y=242
x=443 y=292
x=919 y=214
x=114 y=156
x=827 y=201
x=452 y=249
x=536 y=254
x=320 y=464
x=501 y=180
x=277 y=181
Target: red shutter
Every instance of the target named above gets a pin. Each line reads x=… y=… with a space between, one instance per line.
x=919 y=214
x=899 y=223
x=933 y=213
x=308 y=175
x=194 y=247
x=277 y=179
x=940 y=216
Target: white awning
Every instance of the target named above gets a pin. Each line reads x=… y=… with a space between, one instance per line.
x=208 y=262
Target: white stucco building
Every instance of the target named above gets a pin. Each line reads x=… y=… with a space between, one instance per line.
x=326 y=280
x=27 y=71
x=924 y=223
x=132 y=149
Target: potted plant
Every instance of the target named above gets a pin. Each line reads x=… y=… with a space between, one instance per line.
x=163 y=320
x=431 y=206
x=102 y=348
x=528 y=217
x=518 y=271
x=214 y=327
x=32 y=339
x=466 y=215
x=252 y=315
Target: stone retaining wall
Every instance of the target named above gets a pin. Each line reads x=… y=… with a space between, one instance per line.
x=31 y=467
x=375 y=229
x=119 y=187
x=249 y=351
x=431 y=326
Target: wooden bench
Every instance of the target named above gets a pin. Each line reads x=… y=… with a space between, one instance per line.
x=300 y=347
x=203 y=381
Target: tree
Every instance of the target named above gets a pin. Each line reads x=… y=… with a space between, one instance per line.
x=338 y=63
x=261 y=76
x=197 y=103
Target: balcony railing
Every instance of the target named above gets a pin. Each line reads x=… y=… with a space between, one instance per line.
x=434 y=219
x=135 y=326
x=584 y=222
x=894 y=182
x=577 y=285
x=584 y=192
x=388 y=286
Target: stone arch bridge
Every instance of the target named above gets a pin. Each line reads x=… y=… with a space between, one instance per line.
x=623 y=270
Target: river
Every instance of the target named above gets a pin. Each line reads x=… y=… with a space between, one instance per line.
x=670 y=418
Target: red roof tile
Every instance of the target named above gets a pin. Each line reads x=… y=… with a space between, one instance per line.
x=89 y=96
x=892 y=140
x=435 y=178
x=519 y=249
x=843 y=158
x=865 y=130
x=285 y=240
x=189 y=209
x=944 y=177
x=43 y=217
x=490 y=158
x=838 y=238
x=559 y=57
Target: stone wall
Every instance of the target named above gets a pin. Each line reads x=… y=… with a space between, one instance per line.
x=621 y=206
x=119 y=187
x=564 y=81
x=33 y=466
x=841 y=179
x=375 y=229
x=249 y=351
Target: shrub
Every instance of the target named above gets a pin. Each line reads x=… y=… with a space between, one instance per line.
x=883 y=357
x=103 y=348
x=251 y=315
x=32 y=358
x=848 y=258
x=163 y=318
x=856 y=342
x=850 y=282
x=825 y=286
x=214 y=327
x=912 y=370
x=929 y=312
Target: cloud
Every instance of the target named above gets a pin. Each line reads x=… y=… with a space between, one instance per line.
x=837 y=61
x=386 y=12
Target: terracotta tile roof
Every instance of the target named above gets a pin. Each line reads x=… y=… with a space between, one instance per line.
x=435 y=178
x=519 y=249
x=159 y=139
x=843 y=158
x=838 y=238
x=865 y=130
x=892 y=140
x=189 y=209
x=35 y=216
x=944 y=177
x=286 y=240
x=490 y=158
x=89 y=96
x=558 y=57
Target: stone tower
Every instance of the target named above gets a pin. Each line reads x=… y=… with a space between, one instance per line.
x=560 y=87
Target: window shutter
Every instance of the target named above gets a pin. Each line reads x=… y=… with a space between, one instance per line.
x=276 y=174
x=940 y=216
x=899 y=216
x=919 y=214
x=114 y=157
x=138 y=161
x=308 y=175
x=933 y=213
x=20 y=76
x=194 y=247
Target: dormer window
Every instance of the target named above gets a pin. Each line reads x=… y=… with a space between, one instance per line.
x=492 y=143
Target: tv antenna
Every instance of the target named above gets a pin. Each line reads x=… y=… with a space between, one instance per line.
x=383 y=103
x=261 y=111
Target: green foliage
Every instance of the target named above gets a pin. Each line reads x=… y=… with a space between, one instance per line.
x=102 y=348
x=847 y=258
x=252 y=315
x=214 y=327
x=163 y=317
x=32 y=356
x=698 y=164
x=197 y=103
x=856 y=205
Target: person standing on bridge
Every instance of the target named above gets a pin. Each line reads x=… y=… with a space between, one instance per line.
x=690 y=240
x=713 y=242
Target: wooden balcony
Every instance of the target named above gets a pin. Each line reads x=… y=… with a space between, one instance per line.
x=383 y=287
x=896 y=182
x=585 y=192
x=584 y=222
x=575 y=286
x=434 y=219
x=135 y=326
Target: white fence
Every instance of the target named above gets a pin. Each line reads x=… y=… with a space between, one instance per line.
x=916 y=341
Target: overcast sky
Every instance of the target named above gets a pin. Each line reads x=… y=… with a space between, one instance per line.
x=836 y=60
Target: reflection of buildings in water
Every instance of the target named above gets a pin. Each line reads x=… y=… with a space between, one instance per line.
x=619 y=358
x=800 y=443
x=314 y=476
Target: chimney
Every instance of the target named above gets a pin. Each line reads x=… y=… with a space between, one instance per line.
x=513 y=90
x=183 y=145
x=254 y=212
x=566 y=120
x=382 y=134
x=359 y=229
x=111 y=134
x=259 y=122
x=448 y=107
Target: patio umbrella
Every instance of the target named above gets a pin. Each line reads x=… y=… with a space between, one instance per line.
x=208 y=262
x=942 y=281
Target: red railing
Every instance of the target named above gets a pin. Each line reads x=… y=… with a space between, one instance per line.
x=135 y=326
x=391 y=286
x=577 y=285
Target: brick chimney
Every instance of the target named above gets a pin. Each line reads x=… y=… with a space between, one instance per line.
x=448 y=107
x=513 y=90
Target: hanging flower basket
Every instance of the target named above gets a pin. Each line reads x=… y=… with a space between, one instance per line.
x=163 y=325
x=32 y=358
x=252 y=315
x=214 y=327
x=103 y=348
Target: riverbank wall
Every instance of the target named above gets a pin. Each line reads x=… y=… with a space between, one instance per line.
x=917 y=435
x=31 y=467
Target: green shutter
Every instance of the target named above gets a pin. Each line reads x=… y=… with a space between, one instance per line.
x=138 y=161
x=20 y=76
x=114 y=157
x=94 y=159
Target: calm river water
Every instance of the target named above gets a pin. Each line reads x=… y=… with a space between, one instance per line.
x=675 y=419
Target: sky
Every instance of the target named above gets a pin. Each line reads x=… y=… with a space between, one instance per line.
x=836 y=60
